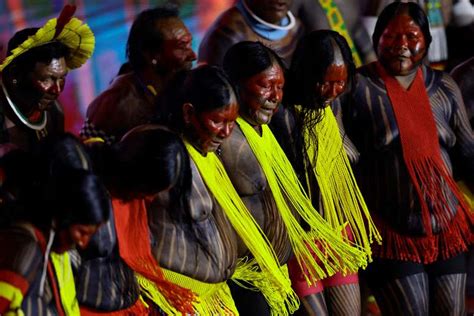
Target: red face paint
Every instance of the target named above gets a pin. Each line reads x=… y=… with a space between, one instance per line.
x=261 y=94
x=209 y=129
x=402 y=46
x=334 y=83
x=48 y=82
x=176 y=52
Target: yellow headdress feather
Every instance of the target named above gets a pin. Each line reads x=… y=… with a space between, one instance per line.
x=76 y=35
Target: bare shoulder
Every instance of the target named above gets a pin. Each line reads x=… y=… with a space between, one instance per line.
x=20 y=252
x=228 y=29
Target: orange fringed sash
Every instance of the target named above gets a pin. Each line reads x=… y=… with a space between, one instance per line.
x=430 y=177
x=131 y=223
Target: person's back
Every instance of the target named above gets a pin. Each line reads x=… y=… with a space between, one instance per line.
x=242 y=23
x=463 y=74
x=159 y=44
x=342 y=16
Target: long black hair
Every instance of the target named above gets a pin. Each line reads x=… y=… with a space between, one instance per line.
x=313 y=56
x=73 y=192
x=150 y=159
x=53 y=183
x=246 y=59
x=397 y=8
x=206 y=87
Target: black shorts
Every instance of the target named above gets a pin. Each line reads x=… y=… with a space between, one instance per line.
x=381 y=271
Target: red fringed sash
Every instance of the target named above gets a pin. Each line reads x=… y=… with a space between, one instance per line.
x=430 y=177
x=131 y=223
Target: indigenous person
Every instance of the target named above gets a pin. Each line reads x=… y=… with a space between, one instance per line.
x=204 y=109
x=147 y=163
x=463 y=74
x=341 y=16
x=322 y=69
x=159 y=44
x=408 y=121
x=271 y=23
x=192 y=239
x=439 y=13
x=33 y=76
x=265 y=179
x=50 y=204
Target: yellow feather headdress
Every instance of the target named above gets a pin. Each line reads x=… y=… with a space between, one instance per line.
x=70 y=31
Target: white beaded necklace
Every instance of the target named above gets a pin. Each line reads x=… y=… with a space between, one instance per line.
x=291 y=18
x=23 y=119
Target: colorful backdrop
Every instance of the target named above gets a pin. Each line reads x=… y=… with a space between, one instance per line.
x=110 y=21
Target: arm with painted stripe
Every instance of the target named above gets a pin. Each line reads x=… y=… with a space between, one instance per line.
x=20 y=264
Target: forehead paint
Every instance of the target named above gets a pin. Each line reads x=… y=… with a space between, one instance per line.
x=337 y=59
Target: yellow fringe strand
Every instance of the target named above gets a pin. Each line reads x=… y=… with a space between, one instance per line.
x=247 y=275
x=66 y=284
x=334 y=252
x=212 y=298
x=468 y=195
x=342 y=201
x=214 y=175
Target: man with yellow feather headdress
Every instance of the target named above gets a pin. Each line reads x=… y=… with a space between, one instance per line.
x=33 y=76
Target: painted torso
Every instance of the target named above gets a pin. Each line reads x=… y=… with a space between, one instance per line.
x=126 y=104
x=177 y=251
x=372 y=126
x=231 y=27
x=250 y=182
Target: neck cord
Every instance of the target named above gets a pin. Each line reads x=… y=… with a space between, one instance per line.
x=289 y=26
x=22 y=118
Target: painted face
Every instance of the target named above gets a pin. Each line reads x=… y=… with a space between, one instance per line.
x=402 y=46
x=272 y=11
x=46 y=82
x=261 y=94
x=209 y=129
x=176 y=52
x=334 y=83
x=76 y=234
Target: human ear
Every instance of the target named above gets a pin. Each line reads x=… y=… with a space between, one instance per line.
x=188 y=112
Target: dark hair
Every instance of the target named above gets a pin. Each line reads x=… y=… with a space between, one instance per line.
x=144 y=35
x=19 y=187
x=246 y=59
x=72 y=192
x=40 y=54
x=206 y=87
x=147 y=161
x=397 y=8
x=312 y=57
x=53 y=183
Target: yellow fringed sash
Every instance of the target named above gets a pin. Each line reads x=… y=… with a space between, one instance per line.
x=213 y=298
x=342 y=201
x=217 y=181
x=336 y=254
x=66 y=284
x=247 y=275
